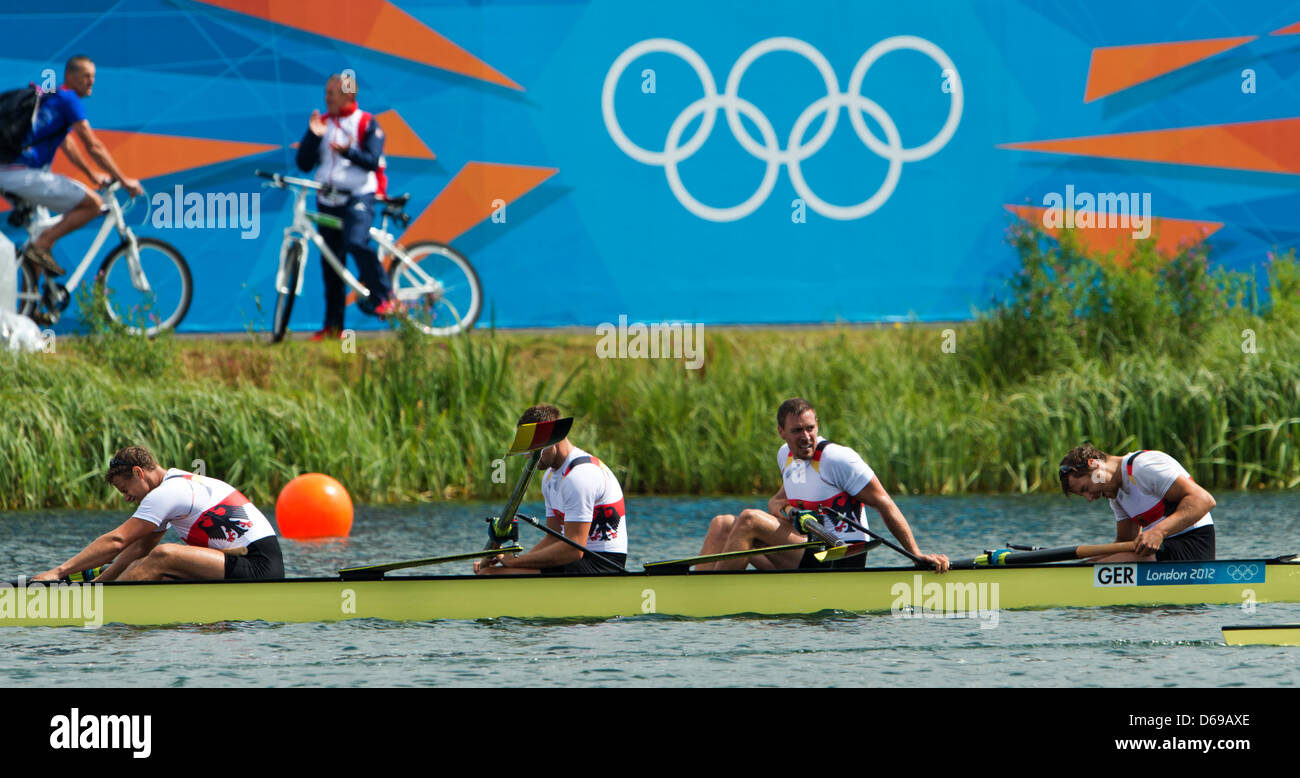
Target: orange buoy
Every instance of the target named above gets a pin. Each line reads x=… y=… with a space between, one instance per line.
x=313 y=505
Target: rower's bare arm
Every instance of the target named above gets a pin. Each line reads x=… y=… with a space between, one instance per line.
x=555 y=553
x=778 y=503
x=99 y=153
x=874 y=496
x=104 y=548
x=1193 y=503
x=131 y=553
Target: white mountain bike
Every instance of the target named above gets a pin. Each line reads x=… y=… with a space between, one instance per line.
x=144 y=283
x=437 y=287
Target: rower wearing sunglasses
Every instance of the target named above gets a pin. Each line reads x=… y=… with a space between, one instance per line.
x=1155 y=500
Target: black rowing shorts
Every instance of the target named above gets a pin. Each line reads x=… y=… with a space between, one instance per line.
x=585 y=565
x=1194 y=546
x=262 y=562
x=809 y=562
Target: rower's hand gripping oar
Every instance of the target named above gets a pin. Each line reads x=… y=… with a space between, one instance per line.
x=809 y=523
x=530 y=439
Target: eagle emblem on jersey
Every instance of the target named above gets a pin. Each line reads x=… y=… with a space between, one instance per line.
x=604 y=523
x=222 y=522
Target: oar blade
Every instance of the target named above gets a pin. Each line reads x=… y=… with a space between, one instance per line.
x=531 y=437
x=845 y=551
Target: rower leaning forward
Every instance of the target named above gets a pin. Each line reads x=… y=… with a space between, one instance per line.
x=225 y=535
x=1156 y=503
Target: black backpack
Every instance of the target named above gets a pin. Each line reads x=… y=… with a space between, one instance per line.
x=18 y=109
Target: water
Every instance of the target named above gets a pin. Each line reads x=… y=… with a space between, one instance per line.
x=1108 y=647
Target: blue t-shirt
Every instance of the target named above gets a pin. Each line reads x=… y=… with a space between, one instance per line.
x=58 y=112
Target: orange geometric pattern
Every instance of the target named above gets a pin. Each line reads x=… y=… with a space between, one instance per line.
x=1290 y=29
x=373 y=24
x=472 y=196
x=399 y=139
x=1115 y=68
x=1268 y=146
x=145 y=155
x=1169 y=234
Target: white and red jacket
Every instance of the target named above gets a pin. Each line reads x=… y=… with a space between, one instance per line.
x=360 y=169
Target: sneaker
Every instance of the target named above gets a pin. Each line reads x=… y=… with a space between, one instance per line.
x=329 y=333
x=42 y=259
x=389 y=307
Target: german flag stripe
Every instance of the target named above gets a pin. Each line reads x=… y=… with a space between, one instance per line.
x=530 y=437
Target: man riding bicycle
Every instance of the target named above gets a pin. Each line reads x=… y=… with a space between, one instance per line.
x=29 y=175
x=346 y=146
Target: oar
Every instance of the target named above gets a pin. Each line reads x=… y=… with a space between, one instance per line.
x=529 y=439
x=840 y=516
x=377 y=571
x=674 y=564
x=1004 y=556
x=560 y=536
x=847 y=550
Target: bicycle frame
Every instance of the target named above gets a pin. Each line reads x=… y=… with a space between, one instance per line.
x=114 y=220
x=302 y=230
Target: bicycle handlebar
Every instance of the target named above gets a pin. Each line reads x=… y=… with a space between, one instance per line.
x=306 y=183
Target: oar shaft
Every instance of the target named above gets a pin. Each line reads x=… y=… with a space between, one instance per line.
x=501 y=526
x=1044 y=555
x=918 y=560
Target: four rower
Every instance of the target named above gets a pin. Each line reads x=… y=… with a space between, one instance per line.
x=1155 y=500
x=583 y=501
x=225 y=535
x=815 y=473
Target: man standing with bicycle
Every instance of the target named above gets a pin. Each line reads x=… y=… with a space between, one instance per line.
x=29 y=175
x=346 y=146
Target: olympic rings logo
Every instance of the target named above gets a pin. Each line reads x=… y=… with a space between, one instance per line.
x=1242 y=572
x=770 y=150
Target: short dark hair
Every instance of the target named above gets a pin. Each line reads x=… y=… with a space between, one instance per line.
x=1076 y=462
x=78 y=62
x=126 y=460
x=539 y=413
x=796 y=406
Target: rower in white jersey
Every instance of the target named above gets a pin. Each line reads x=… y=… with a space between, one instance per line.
x=225 y=536
x=1156 y=503
x=583 y=501
x=814 y=473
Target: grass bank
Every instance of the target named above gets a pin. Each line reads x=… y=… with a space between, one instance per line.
x=1142 y=352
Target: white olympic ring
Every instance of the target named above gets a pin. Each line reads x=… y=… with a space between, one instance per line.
x=770 y=151
x=1242 y=572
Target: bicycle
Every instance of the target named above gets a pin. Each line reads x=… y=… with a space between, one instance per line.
x=414 y=271
x=154 y=280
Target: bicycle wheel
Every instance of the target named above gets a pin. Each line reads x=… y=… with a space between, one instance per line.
x=29 y=291
x=444 y=297
x=285 y=295
x=171 y=288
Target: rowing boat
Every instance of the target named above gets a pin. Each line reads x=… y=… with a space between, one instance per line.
x=1263 y=635
x=677 y=592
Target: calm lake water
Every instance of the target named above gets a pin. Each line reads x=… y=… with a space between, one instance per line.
x=1115 y=647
